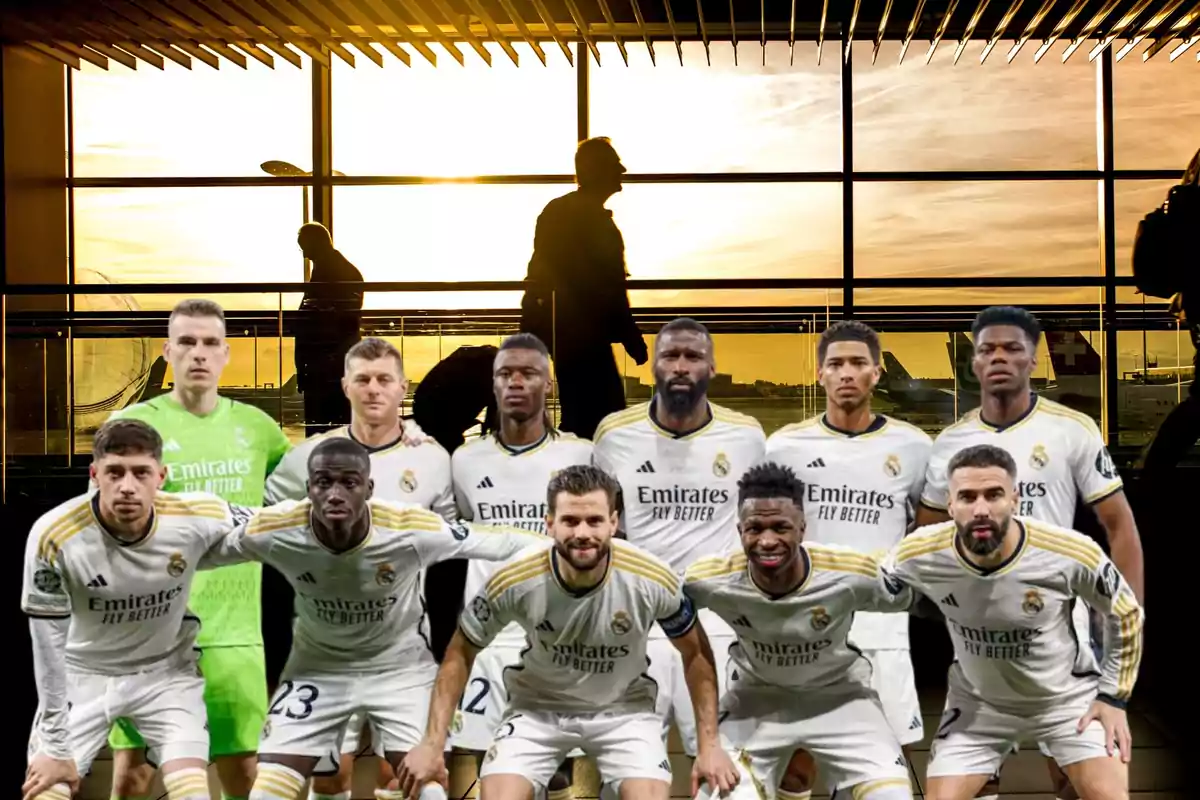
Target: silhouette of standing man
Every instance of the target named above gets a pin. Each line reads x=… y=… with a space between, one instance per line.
x=576 y=300
x=328 y=326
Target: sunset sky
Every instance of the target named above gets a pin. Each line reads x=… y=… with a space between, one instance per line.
x=463 y=121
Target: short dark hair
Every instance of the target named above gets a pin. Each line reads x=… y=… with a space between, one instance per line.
x=771 y=480
x=982 y=456
x=580 y=479
x=684 y=324
x=525 y=341
x=1008 y=315
x=341 y=446
x=127 y=437
x=197 y=307
x=849 y=330
x=373 y=348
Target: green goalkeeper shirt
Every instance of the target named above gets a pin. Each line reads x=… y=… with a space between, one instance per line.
x=229 y=452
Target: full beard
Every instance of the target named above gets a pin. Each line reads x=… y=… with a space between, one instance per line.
x=680 y=402
x=986 y=545
x=573 y=555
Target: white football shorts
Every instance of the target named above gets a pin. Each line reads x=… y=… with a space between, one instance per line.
x=843 y=727
x=975 y=737
x=165 y=704
x=624 y=745
x=313 y=710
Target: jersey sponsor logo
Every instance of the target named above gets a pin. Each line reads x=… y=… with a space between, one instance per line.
x=848 y=503
x=385 y=575
x=891 y=466
x=646 y=467
x=621 y=623
x=481 y=609
x=527 y=516
x=1000 y=644
x=594 y=659
x=47 y=581
x=134 y=607
x=176 y=565
x=486 y=483
x=820 y=619
x=224 y=477
x=1038 y=457
x=1029 y=492
x=408 y=481
x=340 y=611
x=682 y=503
x=785 y=654
x=1033 y=603
x=1105 y=465
x=1108 y=581
x=721 y=465
x=97 y=582
x=949 y=600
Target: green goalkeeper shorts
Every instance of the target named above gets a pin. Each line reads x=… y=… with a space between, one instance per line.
x=235 y=696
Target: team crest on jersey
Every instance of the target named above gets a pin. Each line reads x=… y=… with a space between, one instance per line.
x=891 y=466
x=820 y=618
x=266 y=731
x=621 y=623
x=1039 y=458
x=721 y=465
x=176 y=566
x=408 y=481
x=385 y=575
x=456 y=725
x=1033 y=602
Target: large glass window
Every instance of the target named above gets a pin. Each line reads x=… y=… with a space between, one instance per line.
x=1156 y=111
x=201 y=122
x=749 y=117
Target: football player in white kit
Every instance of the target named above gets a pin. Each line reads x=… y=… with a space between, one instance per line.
x=1059 y=452
x=862 y=474
x=406 y=467
x=1006 y=585
x=501 y=478
x=107 y=576
x=678 y=459
x=359 y=645
x=587 y=603
x=796 y=680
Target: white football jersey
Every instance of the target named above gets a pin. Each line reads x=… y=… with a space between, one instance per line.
x=1014 y=639
x=1060 y=457
x=679 y=491
x=402 y=473
x=587 y=652
x=361 y=610
x=798 y=641
x=861 y=492
x=127 y=602
x=494 y=484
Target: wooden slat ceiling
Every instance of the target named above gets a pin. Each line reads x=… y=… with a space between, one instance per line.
x=149 y=32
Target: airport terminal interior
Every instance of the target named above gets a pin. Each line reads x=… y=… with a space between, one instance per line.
x=790 y=163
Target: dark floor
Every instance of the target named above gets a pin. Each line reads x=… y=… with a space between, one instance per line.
x=1155 y=773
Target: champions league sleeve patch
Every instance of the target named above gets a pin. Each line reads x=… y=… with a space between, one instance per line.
x=681 y=621
x=1108 y=581
x=459 y=530
x=481 y=610
x=1105 y=465
x=47 y=581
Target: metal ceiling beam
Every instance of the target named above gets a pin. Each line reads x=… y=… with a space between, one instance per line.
x=733 y=31
x=1150 y=28
x=114 y=53
x=1177 y=28
x=704 y=31
x=883 y=21
x=315 y=29
x=1090 y=28
x=762 y=29
x=194 y=27
x=1059 y=29
x=216 y=27
x=523 y=29
x=255 y=32
x=494 y=31
x=1116 y=30
x=1031 y=28
x=391 y=18
x=91 y=56
x=276 y=25
x=60 y=56
x=456 y=22
x=941 y=30
x=641 y=23
x=131 y=31
x=1001 y=27
x=376 y=34
x=552 y=27
x=323 y=15
x=612 y=28
x=913 y=24
x=675 y=31
x=853 y=25
x=581 y=25
x=791 y=34
x=820 y=31
x=969 y=31
x=162 y=32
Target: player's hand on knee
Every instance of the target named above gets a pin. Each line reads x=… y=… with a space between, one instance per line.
x=44 y=772
x=1116 y=727
x=424 y=764
x=714 y=767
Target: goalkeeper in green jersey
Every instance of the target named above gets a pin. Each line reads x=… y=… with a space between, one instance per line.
x=217 y=445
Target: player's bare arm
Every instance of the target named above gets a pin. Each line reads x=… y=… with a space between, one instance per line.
x=713 y=765
x=1124 y=541
x=54 y=763
x=929 y=516
x=426 y=763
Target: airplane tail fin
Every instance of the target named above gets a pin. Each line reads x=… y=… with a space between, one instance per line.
x=961 y=351
x=1072 y=354
x=894 y=369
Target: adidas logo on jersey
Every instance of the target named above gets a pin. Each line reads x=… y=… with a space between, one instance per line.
x=900 y=761
x=545 y=626
x=949 y=600
x=646 y=467
x=742 y=622
x=915 y=724
x=486 y=483
x=820 y=462
x=97 y=582
x=307 y=578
